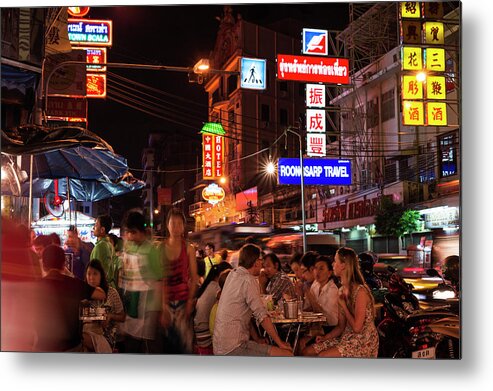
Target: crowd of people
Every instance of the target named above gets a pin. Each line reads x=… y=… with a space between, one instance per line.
x=169 y=297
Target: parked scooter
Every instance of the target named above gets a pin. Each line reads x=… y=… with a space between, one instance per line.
x=445 y=294
x=409 y=331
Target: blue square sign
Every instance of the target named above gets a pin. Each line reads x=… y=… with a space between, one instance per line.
x=253 y=73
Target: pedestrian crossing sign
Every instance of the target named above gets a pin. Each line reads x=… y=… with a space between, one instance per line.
x=253 y=73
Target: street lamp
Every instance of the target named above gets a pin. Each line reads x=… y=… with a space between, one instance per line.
x=302 y=183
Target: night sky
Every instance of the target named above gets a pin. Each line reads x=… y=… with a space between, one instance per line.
x=176 y=36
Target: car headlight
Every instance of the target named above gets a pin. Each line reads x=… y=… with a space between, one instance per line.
x=419 y=296
x=443 y=294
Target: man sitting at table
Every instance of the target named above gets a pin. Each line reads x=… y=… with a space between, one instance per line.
x=240 y=299
x=273 y=281
x=59 y=296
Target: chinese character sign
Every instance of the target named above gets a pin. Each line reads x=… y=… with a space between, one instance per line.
x=207 y=156
x=411 y=32
x=411 y=88
x=433 y=10
x=315 y=95
x=435 y=87
x=411 y=58
x=315 y=121
x=410 y=9
x=436 y=113
x=435 y=59
x=218 y=155
x=412 y=113
x=434 y=33
x=316 y=144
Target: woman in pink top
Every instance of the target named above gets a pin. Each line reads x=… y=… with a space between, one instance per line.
x=180 y=285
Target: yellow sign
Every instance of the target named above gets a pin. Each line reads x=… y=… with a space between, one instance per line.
x=435 y=87
x=411 y=88
x=435 y=59
x=410 y=9
x=412 y=58
x=436 y=113
x=434 y=34
x=412 y=113
x=433 y=10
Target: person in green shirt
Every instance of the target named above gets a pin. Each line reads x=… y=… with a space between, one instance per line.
x=103 y=250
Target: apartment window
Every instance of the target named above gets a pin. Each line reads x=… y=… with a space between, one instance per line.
x=265 y=113
x=232 y=83
x=448 y=155
x=390 y=172
x=283 y=117
x=372 y=113
x=388 y=105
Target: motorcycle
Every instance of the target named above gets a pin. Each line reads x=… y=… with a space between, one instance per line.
x=444 y=294
x=407 y=330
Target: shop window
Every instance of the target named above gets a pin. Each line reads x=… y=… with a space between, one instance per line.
x=388 y=105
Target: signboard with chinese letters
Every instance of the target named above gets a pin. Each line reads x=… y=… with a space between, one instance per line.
x=412 y=113
x=315 y=42
x=435 y=59
x=433 y=10
x=315 y=171
x=96 y=56
x=434 y=33
x=89 y=32
x=436 y=113
x=410 y=9
x=213 y=194
x=412 y=58
x=253 y=73
x=411 y=32
x=315 y=120
x=316 y=144
x=315 y=95
x=207 y=156
x=329 y=70
x=60 y=107
x=68 y=79
x=435 y=87
x=218 y=147
x=96 y=85
x=411 y=88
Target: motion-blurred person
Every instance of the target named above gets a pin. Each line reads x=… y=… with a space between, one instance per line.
x=240 y=299
x=55 y=239
x=101 y=337
x=206 y=297
x=40 y=243
x=141 y=276
x=295 y=265
x=224 y=255
x=180 y=286
x=211 y=258
x=103 y=250
x=273 y=281
x=220 y=281
x=81 y=252
x=201 y=271
x=57 y=317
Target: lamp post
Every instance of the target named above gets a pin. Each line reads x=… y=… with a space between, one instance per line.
x=302 y=183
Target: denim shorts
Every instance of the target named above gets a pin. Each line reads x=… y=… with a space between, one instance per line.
x=251 y=348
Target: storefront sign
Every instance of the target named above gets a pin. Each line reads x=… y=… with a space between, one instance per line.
x=315 y=95
x=96 y=56
x=164 y=196
x=218 y=155
x=435 y=59
x=411 y=88
x=316 y=144
x=247 y=198
x=315 y=42
x=434 y=33
x=436 y=113
x=413 y=113
x=412 y=58
x=213 y=194
x=96 y=85
x=89 y=32
x=441 y=217
x=352 y=210
x=313 y=69
x=78 y=12
x=207 y=156
x=315 y=171
x=436 y=87
x=315 y=120
x=410 y=9
x=63 y=107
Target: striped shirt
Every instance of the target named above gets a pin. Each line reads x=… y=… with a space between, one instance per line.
x=279 y=284
x=240 y=299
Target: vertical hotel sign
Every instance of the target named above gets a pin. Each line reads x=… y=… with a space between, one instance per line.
x=422 y=34
x=212 y=151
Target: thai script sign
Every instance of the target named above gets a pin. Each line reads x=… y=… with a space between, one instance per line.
x=315 y=171
x=313 y=69
x=89 y=32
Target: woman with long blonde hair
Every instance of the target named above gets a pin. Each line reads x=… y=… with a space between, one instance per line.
x=355 y=334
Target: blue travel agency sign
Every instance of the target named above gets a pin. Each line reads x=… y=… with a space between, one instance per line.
x=316 y=171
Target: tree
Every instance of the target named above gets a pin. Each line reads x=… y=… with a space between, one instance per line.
x=395 y=220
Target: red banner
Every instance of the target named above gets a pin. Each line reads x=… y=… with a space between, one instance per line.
x=207 y=156
x=96 y=85
x=313 y=69
x=218 y=156
x=62 y=107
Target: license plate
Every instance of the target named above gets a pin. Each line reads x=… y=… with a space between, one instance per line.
x=424 y=353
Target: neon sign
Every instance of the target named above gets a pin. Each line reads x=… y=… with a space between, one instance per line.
x=213 y=194
x=313 y=69
x=96 y=85
x=90 y=32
